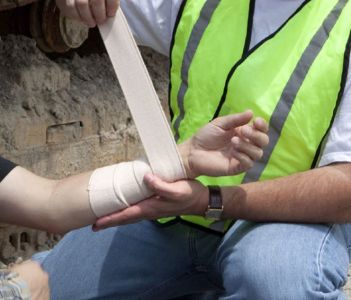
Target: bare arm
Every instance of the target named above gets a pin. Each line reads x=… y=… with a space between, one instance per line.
x=319 y=195
x=54 y=205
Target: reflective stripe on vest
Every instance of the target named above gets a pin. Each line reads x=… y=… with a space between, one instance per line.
x=293 y=79
x=199 y=24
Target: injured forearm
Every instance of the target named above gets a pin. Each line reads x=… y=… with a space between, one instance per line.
x=62 y=205
x=52 y=205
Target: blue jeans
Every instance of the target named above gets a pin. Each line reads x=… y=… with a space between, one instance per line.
x=271 y=261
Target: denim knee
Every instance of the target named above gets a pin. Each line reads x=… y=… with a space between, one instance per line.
x=284 y=261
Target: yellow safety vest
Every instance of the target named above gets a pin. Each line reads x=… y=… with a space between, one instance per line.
x=294 y=79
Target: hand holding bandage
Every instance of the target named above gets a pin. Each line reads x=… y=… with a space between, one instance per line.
x=226 y=146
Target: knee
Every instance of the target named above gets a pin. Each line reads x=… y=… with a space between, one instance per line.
x=284 y=268
x=268 y=277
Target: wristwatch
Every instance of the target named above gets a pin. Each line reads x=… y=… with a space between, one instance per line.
x=215 y=204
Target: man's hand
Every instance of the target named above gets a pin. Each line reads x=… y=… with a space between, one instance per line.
x=35 y=277
x=90 y=12
x=184 y=197
x=228 y=145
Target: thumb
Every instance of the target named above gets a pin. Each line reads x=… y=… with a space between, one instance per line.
x=160 y=187
x=233 y=120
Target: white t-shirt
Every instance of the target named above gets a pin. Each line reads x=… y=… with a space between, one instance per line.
x=152 y=23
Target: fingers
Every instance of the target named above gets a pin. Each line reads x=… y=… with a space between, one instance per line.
x=162 y=188
x=98 y=11
x=233 y=120
x=105 y=221
x=252 y=151
x=90 y=12
x=257 y=133
x=245 y=162
x=111 y=7
x=129 y=215
x=68 y=8
x=261 y=125
x=86 y=16
x=250 y=143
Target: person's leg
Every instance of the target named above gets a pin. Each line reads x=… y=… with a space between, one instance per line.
x=139 y=261
x=39 y=257
x=209 y=295
x=284 y=261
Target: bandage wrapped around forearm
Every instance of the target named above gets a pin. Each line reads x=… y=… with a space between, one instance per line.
x=116 y=187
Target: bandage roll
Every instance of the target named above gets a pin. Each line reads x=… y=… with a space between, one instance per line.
x=116 y=187
x=143 y=101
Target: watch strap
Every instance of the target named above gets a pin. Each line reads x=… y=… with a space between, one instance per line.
x=215 y=197
x=215 y=204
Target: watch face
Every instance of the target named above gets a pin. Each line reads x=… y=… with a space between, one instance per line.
x=214 y=214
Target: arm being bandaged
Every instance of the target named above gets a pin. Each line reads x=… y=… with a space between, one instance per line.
x=116 y=187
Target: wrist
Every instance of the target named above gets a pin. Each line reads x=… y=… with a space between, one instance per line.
x=234 y=200
x=202 y=202
x=185 y=153
x=215 y=206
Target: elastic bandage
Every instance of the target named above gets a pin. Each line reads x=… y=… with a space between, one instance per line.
x=116 y=187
